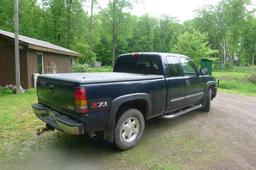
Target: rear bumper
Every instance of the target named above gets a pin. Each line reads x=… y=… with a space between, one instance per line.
x=57 y=120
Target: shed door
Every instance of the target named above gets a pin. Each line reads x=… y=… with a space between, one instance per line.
x=40 y=63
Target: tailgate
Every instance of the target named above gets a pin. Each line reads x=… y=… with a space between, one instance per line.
x=57 y=94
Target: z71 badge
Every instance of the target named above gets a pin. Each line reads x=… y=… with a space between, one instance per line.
x=97 y=105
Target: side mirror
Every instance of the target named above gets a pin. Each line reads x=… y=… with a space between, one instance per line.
x=203 y=71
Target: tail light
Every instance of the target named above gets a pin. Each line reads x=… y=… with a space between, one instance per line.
x=81 y=100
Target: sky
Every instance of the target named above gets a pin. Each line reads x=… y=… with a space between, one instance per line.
x=182 y=9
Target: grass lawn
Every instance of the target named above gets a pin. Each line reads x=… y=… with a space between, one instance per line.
x=241 y=80
x=17 y=123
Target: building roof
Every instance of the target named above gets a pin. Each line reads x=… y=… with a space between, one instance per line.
x=36 y=44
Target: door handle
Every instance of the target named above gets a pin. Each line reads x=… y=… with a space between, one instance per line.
x=188 y=82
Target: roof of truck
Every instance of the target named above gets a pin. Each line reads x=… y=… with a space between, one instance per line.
x=153 y=53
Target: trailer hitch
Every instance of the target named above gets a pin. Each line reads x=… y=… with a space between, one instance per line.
x=42 y=130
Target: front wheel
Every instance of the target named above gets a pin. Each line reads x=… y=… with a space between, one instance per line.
x=206 y=104
x=129 y=129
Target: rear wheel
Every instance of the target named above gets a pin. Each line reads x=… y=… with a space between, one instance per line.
x=129 y=129
x=206 y=104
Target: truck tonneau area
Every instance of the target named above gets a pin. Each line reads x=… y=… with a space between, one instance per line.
x=100 y=77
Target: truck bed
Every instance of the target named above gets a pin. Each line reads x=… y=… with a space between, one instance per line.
x=57 y=90
x=90 y=78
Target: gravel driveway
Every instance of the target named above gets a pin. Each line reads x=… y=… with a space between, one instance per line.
x=224 y=139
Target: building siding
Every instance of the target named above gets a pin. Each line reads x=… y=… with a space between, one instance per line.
x=28 y=63
x=7 y=64
x=7 y=69
x=32 y=68
x=62 y=63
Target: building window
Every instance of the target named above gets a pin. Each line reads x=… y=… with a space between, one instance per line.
x=40 y=63
x=72 y=61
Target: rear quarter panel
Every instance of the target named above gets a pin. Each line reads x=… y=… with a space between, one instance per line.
x=107 y=92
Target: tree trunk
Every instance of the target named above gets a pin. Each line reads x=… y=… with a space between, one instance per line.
x=90 y=38
x=113 y=46
x=90 y=26
x=114 y=36
x=224 y=52
x=16 y=47
x=68 y=23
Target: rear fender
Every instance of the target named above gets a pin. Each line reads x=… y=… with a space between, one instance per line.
x=116 y=104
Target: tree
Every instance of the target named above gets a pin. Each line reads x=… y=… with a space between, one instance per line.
x=6 y=15
x=90 y=32
x=194 y=44
x=248 y=42
x=224 y=23
x=166 y=31
x=143 y=35
x=227 y=27
x=114 y=14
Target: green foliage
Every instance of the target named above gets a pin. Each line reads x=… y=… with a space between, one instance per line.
x=194 y=44
x=237 y=79
x=252 y=75
x=5 y=91
x=142 y=39
x=230 y=29
x=79 y=68
x=227 y=27
x=6 y=15
x=248 y=43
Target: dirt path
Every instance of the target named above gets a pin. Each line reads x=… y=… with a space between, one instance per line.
x=224 y=139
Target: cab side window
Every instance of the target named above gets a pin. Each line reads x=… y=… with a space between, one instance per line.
x=174 y=67
x=189 y=68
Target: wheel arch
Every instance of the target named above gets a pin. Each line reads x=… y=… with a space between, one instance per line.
x=140 y=101
x=212 y=85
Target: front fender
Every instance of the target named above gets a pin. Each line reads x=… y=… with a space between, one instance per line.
x=211 y=84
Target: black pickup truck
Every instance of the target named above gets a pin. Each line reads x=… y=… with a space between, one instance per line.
x=116 y=105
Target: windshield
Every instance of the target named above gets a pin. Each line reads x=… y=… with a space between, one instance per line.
x=141 y=64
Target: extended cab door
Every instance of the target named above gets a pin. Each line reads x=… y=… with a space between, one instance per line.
x=194 y=86
x=175 y=82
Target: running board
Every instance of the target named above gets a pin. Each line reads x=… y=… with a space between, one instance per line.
x=181 y=112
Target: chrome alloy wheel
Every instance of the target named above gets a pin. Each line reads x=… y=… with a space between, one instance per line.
x=130 y=129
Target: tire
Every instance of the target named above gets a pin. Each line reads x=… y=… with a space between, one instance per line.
x=206 y=104
x=129 y=129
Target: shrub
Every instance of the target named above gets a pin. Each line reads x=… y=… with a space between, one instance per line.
x=79 y=68
x=252 y=75
x=5 y=91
